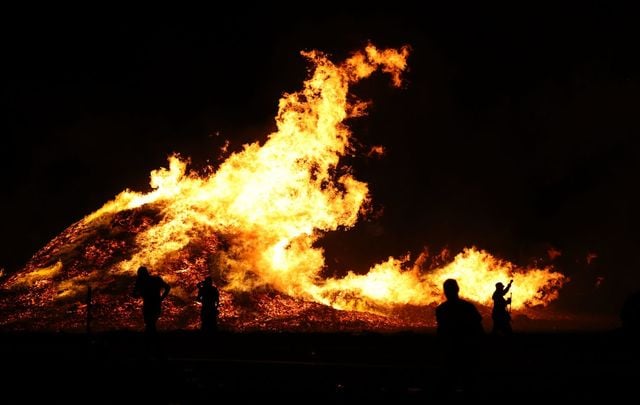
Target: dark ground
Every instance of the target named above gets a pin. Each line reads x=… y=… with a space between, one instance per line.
x=185 y=367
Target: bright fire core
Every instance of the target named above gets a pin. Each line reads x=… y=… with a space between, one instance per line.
x=255 y=220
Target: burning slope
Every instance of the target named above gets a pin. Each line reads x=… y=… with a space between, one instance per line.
x=253 y=224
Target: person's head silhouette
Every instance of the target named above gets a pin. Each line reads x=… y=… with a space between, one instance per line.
x=499 y=286
x=143 y=271
x=451 y=289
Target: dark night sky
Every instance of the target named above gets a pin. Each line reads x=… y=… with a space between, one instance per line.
x=516 y=130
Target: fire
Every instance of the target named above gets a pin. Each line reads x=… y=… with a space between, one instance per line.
x=376 y=151
x=272 y=202
x=553 y=253
x=394 y=282
x=257 y=217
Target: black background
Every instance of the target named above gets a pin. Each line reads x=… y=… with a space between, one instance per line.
x=515 y=130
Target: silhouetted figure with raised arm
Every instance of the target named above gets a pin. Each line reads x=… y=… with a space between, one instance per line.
x=500 y=315
x=457 y=318
x=153 y=290
x=209 y=296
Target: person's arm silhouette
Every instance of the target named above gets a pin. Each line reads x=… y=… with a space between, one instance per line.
x=506 y=290
x=166 y=288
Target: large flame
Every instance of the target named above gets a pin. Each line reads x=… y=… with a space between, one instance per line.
x=394 y=282
x=267 y=206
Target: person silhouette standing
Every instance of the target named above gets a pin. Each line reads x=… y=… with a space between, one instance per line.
x=153 y=290
x=457 y=318
x=499 y=314
x=209 y=296
x=459 y=331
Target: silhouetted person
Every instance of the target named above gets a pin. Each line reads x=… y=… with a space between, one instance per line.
x=459 y=331
x=500 y=315
x=153 y=290
x=457 y=318
x=209 y=296
x=630 y=314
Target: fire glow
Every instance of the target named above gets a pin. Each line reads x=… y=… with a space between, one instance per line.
x=254 y=222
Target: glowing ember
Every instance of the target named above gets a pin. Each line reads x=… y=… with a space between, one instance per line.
x=253 y=224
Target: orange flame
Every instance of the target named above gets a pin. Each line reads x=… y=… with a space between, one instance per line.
x=392 y=282
x=271 y=203
x=553 y=253
x=376 y=151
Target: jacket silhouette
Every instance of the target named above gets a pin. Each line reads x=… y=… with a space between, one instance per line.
x=499 y=314
x=153 y=290
x=209 y=296
x=457 y=318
